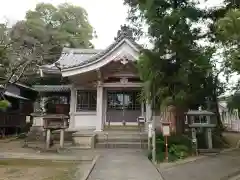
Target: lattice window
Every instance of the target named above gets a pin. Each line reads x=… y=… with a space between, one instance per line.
x=128 y=100
x=86 y=100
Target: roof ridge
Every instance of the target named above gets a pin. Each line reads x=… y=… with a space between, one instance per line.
x=81 y=50
x=106 y=50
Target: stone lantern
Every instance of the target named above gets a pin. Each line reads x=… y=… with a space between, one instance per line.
x=201 y=122
x=55 y=122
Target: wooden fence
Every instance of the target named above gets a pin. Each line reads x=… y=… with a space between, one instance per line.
x=233 y=125
x=8 y=120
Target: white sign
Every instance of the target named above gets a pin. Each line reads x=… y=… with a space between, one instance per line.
x=150 y=130
x=166 y=130
x=141 y=119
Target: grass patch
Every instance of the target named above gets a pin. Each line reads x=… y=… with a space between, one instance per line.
x=36 y=162
x=33 y=169
x=63 y=175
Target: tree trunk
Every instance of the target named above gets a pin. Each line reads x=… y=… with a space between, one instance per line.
x=219 y=128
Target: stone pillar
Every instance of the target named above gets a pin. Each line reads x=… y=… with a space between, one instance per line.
x=48 y=139
x=72 y=108
x=194 y=134
x=62 y=138
x=209 y=138
x=99 y=123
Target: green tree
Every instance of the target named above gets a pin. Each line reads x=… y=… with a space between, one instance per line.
x=14 y=61
x=45 y=31
x=228 y=33
x=178 y=71
x=176 y=58
x=51 y=28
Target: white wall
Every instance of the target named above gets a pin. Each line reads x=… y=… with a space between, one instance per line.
x=86 y=120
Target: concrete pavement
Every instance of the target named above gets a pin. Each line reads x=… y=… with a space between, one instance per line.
x=219 y=167
x=124 y=164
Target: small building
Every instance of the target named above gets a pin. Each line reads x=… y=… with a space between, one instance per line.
x=21 y=98
x=229 y=118
x=103 y=85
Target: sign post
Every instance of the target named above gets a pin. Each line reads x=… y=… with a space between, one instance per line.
x=166 y=134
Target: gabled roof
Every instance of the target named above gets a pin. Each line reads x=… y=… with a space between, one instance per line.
x=91 y=58
x=72 y=58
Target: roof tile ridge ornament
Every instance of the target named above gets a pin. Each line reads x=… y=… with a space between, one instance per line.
x=124 y=32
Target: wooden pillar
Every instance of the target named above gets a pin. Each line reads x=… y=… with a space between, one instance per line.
x=72 y=108
x=99 y=123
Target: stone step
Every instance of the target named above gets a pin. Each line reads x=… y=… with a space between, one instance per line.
x=113 y=145
x=208 y=151
x=125 y=135
x=67 y=135
x=35 y=135
x=122 y=139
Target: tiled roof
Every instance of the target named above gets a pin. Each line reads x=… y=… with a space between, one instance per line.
x=95 y=57
x=52 y=88
x=10 y=94
x=72 y=57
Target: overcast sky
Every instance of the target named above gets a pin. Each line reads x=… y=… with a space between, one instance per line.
x=105 y=16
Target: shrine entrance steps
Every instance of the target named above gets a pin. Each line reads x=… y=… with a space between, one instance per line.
x=113 y=137
x=122 y=139
x=209 y=151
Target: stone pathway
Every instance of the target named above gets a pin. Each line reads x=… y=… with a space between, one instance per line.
x=124 y=164
x=219 y=167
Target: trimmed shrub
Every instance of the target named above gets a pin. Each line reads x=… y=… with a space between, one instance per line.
x=4 y=104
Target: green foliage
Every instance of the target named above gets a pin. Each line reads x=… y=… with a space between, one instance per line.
x=233 y=102
x=180 y=151
x=178 y=147
x=48 y=29
x=4 y=104
x=177 y=71
x=228 y=32
x=39 y=39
